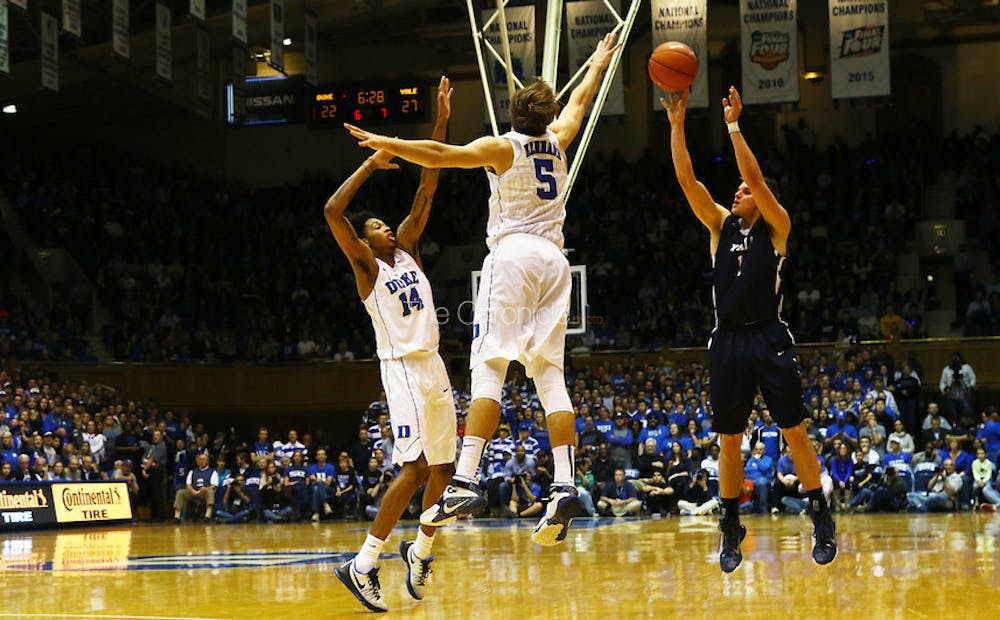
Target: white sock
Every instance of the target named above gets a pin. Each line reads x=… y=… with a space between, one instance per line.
x=468 y=462
x=563 y=457
x=422 y=545
x=367 y=558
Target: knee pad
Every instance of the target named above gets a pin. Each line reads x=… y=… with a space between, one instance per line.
x=487 y=379
x=550 y=383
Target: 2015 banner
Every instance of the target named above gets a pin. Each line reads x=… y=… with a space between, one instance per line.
x=769 y=51
x=588 y=22
x=859 y=48
x=521 y=36
x=685 y=21
x=278 y=34
x=50 y=52
x=164 y=68
x=120 y=29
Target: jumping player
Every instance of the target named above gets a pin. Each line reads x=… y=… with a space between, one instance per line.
x=750 y=345
x=397 y=295
x=523 y=302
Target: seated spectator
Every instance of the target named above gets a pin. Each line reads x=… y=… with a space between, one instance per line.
x=929 y=455
x=590 y=435
x=649 y=460
x=320 y=476
x=236 y=503
x=603 y=467
x=841 y=467
x=585 y=485
x=943 y=491
x=786 y=481
x=678 y=472
x=345 y=496
x=982 y=474
x=512 y=471
x=128 y=475
x=887 y=496
x=896 y=458
x=525 y=439
x=524 y=501
x=618 y=498
x=374 y=491
x=759 y=469
x=659 y=496
x=91 y=470
x=961 y=458
x=900 y=435
x=276 y=503
x=621 y=442
x=6 y=472
x=698 y=500
x=295 y=476
x=200 y=485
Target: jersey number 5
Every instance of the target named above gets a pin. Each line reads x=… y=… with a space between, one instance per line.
x=412 y=303
x=543 y=172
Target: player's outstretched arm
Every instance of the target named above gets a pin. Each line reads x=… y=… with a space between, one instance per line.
x=485 y=152
x=711 y=214
x=408 y=234
x=567 y=124
x=358 y=253
x=770 y=209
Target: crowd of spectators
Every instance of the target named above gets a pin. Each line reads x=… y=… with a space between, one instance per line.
x=192 y=270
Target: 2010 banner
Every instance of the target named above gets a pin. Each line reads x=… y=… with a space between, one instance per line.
x=521 y=36
x=859 y=48
x=685 y=21
x=769 y=43
x=587 y=22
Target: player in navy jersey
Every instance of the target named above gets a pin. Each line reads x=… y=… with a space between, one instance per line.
x=750 y=345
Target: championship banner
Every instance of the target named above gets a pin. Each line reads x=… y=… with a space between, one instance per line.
x=50 y=52
x=240 y=21
x=23 y=4
x=4 y=40
x=164 y=71
x=312 y=58
x=202 y=67
x=120 y=29
x=196 y=9
x=684 y=21
x=94 y=502
x=71 y=18
x=769 y=39
x=859 y=48
x=588 y=22
x=521 y=35
x=278 y=34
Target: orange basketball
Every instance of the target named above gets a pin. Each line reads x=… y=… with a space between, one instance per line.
x=672 y=66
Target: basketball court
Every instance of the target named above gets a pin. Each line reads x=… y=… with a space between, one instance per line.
x=889 y=566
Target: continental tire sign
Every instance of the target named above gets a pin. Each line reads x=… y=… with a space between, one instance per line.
x=95 y=501
x=34 y=504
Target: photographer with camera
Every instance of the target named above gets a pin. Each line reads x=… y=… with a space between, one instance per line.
x=957 y=382
x=943 y=490
x=524 y=501
x=235 y=502
x=698 y=500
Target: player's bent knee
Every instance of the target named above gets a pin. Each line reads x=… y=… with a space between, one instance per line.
x=488 y=378
x=550 y=383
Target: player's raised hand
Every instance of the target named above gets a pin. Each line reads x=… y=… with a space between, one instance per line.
x=732 y=105
x=366 y=138
x=606 y=49
x=676 y=106
x=444 y=99
x=382 y=160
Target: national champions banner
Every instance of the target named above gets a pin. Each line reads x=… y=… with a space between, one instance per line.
x=859 y=48
x=521 y=34
x=588 y=21
x=768 y=48
x=684 y=21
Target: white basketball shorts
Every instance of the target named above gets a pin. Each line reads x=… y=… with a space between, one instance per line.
x=421 y=408
x=522 y=304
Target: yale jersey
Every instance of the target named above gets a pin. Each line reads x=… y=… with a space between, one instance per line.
x=402 y=309
x=747 y=276
x=528 y=198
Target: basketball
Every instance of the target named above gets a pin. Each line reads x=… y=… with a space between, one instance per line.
x=672 y=66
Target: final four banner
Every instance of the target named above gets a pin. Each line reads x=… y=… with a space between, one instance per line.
x=278 y=34
x=588 y=22
x=859 y=48
x=120 y=29
x=240 y=21
x=769 y=43
x=50 y=52
x=4 y=38
x=684 y=21
x=71 y=18
x=521 y=34
x=164 y=69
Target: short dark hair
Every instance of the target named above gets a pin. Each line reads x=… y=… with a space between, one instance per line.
x=533 y=107
x=358 y=220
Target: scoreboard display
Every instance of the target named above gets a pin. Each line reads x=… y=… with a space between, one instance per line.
x=369 y=104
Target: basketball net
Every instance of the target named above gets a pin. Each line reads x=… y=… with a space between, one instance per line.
x=550 y=64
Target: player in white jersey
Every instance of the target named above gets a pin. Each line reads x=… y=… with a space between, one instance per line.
x=524 y=298
x=398 y=297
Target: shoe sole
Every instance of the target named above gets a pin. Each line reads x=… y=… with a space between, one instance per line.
x=349 y=584
x=555 y=529
x=743 y=534
x=404 y=554
x=436 y=517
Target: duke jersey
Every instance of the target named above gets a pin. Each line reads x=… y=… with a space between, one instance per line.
x=747 y=276
x=402 y=309
x=528 y=197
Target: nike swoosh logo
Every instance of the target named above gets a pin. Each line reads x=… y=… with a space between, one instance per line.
x=780 y=353
x=450 y=505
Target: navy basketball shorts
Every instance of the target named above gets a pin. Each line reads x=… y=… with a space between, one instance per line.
x=739 y=361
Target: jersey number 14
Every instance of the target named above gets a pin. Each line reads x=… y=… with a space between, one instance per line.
x=411 y=302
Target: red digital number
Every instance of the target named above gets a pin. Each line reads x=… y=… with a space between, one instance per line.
x=357 y=115
x=385 y=113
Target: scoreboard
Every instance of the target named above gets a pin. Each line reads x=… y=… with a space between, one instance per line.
x=370 y=104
